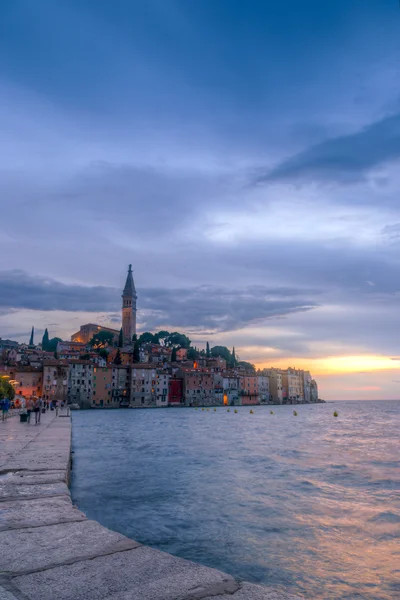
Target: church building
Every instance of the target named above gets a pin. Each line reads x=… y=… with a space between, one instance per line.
x=129 y=298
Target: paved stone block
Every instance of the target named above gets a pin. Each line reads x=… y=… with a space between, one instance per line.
x=250 y=591
x=6 y=595
x=9 y=490
x=32 y=513
x=25 y=550
x=28 y=477
x=36 y=461
x=141 y=574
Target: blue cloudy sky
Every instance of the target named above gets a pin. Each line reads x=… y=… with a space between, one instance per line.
x=243 y=156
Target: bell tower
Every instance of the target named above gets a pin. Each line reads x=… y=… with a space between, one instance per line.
x=129 y=298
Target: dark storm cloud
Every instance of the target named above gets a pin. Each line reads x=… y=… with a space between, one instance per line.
x=20 y=290
x=200 y=307
x=342 y=159
x=220 y=309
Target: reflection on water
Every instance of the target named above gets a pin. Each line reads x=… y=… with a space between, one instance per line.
x=311 y=502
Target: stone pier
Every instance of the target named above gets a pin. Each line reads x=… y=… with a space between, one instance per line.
x=49 y=550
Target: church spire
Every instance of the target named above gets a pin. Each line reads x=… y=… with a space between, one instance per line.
x=129 y=298
x=129 y=289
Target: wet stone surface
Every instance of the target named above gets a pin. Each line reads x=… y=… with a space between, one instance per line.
x=6 y=595
x=34 y=513
x=25 y=550
x=10 y=490
x=141 y=574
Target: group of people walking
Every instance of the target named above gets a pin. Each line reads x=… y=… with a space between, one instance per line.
x=37 y=405
x=32 y=405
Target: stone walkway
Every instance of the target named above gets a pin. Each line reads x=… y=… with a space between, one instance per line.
x=49 y=550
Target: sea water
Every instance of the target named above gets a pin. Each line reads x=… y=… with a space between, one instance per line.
x=308 y=502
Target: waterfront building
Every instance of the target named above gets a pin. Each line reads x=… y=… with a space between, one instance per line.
x=120 y=390
x=249 y=389
x=292 y=386
x=231 y=386
x=29 y=381
x=80 y=379
x=55 y=380
x=129 y=298
x=143 y=385
x=175 y=391
x=102 y=387
x=218 y=388
x=198 y=387
x=263 y=388
x=275 y=385
x=162 y=387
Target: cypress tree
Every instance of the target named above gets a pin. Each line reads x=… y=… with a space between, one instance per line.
x=120 y=339
x=233 y=357
x=173 y=355
x=45 y=340
x=117 y=359
x=136 y=352
x=208 y=353
x=31 y=338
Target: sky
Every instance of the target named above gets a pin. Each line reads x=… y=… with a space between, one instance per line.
x=243 y=156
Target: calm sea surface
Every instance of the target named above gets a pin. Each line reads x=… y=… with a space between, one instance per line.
x=311 y=503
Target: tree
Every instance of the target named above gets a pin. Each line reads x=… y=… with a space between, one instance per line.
x=136 y=352
x=102 y=339
x=147 y=338
x=31 y=343
x=177 y=340
x=208 y=353
x=117 y=359
x=223 y=352
x=84 y=357
x=233 y=362
x=160 y=337
x=52 y=345
x=6 y=389
x=192 y=353
x=134 y=338
x=173 y=355
x=45 y=340
x=120 y=339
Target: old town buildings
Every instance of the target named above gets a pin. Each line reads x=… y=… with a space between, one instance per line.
x=158 y=384
x=125 y=373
